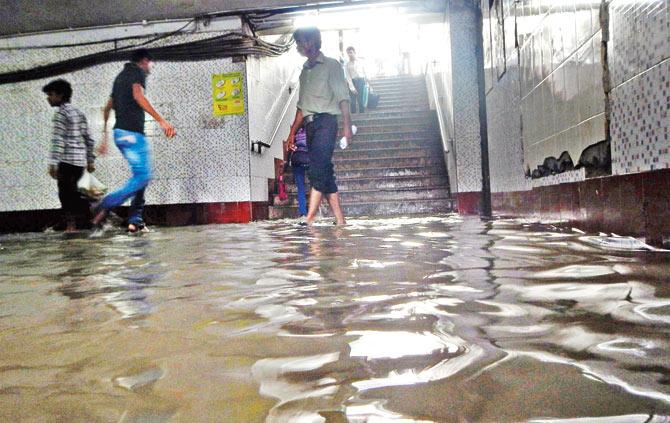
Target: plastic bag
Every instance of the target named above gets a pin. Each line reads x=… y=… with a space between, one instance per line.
x=343 y=140
x=90 y=186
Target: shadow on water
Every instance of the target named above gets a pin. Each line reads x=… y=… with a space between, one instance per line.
x=410 y=319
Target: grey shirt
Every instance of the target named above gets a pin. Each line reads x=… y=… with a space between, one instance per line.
x=71 y=143
x=322 y=87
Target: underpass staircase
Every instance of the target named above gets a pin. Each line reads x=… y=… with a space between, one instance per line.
x=395 y=165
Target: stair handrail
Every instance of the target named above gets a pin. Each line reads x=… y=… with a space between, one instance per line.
x=292 y=92
x=438 y=105
x=447 y=141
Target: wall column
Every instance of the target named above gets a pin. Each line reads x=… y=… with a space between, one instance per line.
x=465 y=36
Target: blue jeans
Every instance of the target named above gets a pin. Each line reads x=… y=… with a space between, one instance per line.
x=354 y=99
x=299 y=175
x=136 y=151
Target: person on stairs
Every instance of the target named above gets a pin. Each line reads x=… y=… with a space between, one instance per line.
x=356 y=79
x=323 y=96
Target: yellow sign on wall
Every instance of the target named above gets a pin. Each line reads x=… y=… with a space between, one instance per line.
x=228 y=94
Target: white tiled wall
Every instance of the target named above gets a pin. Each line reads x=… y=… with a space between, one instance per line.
x=561 y=96
x=504 y=132
x=561 y=78
x=639 y=63
x=208 y=161
x=464 y=80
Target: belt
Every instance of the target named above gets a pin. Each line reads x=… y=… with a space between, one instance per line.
x=312 y=118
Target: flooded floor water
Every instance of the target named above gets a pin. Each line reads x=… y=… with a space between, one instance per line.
x=442 y=319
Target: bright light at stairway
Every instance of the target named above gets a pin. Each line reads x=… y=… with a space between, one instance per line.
x=378 y=33
x=383 y=18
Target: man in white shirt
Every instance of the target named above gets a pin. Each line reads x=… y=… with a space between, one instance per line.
x=356 y=77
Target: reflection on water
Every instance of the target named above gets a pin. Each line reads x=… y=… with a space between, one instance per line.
x=406 y=320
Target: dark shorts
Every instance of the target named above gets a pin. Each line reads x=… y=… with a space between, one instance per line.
x=321 y=139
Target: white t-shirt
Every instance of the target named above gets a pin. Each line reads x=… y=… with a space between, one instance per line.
x=354 y=69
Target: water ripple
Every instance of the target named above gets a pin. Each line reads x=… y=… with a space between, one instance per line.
x=416 y=319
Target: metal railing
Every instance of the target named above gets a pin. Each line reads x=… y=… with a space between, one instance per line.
x=447 y=141
x=260 y=144
x=430 y=73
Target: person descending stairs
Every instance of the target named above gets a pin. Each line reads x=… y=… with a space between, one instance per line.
x=395 y=165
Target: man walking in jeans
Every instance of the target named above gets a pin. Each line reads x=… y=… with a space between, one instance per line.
x=324 y=94
x=129 y=104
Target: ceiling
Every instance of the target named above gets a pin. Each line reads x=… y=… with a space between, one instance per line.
x=20 y=16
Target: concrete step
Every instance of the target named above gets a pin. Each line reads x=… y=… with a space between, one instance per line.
x=402 y=92
x=389 y=170
x=378 y=208
x=397 y=77
x=401 y=193
x=397 y=83
x=380 y=195
x=395 y=182
x=392 y=118
x=346 y=164
x=371 y=183
x=384 y=158
x=374 y=153
x=432 y=144
x=381 y=148
x=399 y=108
x=419 y=134
x=422 y=99
x=426 y=121
x=376 y=114
x=408 y=100
x=399 y=111
x=398 y=80
x=283 y=212
x=422 y=113
x=385 y=172
x=362 y=119
x=408 y=126
x=402 y=128
x=399 y=104
x=397 y=208
x=408 y=91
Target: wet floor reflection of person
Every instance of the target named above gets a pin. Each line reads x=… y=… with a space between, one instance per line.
x=323 y=96
x=85 y=280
